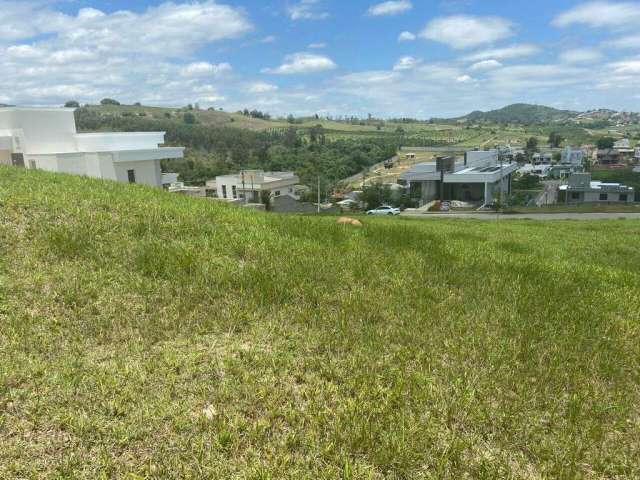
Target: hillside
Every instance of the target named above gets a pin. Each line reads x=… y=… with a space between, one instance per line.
x=520 y=113
x=210 y=118
x=146 y=335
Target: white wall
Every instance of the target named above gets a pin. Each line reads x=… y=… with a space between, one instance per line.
x=44 y=130
x=147 y=172
x=107 y=142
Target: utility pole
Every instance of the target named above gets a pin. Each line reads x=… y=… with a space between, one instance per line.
x=318 y=193
x=244 y=190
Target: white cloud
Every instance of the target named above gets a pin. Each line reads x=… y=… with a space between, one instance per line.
x=626 y=67
x=63 y=57
x=464 y=79
x=630 y=41
x=391 y=7
x=504 y=53
x=302 y=63
x=126 y=55
x=406 y=37
x=318 y=46
x=407 y=63
x=268 y=39
x=377 y=77
x=466 y=31
x=199 y=69
x=581 y=55
x=262 y=87
x=485 y=65
x=601 y=14
x=24 y=51
x=159 y=30
x=306 y=10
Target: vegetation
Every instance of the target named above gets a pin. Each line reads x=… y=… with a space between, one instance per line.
x=216 y=151
x=555 y=140
x=521 y=113
x=606 y=143
x=146 y=335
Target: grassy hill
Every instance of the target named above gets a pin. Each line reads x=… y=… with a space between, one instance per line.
x=520 y=113
x=146 y=335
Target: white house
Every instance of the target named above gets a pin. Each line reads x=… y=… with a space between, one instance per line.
x=248 y=185
x=572 y=156
x=47 y=139
x=637 y=154
x=478 y=177
x=622 y=144
x=581 y=188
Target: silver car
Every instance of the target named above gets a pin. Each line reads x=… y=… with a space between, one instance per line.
x=386 y=210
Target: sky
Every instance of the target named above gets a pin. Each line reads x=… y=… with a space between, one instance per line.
x=396 y=58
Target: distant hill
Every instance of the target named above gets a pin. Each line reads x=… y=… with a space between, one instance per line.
x=520 y=113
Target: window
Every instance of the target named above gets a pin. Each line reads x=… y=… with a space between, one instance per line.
x=224 y=191
x=32 y=164
x=234 y=191
x=604 y=197
x=623 y=198
x=575 y=195
x=277 y=193
x=131 y=175
x=17 y=159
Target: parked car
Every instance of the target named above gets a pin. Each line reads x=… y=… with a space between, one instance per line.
x=386 y=210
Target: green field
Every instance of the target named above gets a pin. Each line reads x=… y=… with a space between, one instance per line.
x=145 y=335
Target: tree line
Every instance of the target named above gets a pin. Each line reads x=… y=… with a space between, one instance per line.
x=213 y=151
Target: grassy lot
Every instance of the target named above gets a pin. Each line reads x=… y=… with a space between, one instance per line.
x=154 y=336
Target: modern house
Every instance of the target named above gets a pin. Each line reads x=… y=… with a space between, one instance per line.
x=47 y=139
x=478 y=177
x=580 y=188
x=248 y=185
x=542 y=158
x=622 y=144
x=572 y=156
x=636 y=155
x=608 y=156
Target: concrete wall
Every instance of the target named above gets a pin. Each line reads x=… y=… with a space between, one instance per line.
x=43 y=130
x=611 y=197
x=147 y=173
x=5 y=157
x=107 y=142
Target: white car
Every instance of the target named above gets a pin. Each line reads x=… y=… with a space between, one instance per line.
x=384 y=211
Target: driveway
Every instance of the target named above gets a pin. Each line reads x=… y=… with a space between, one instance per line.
x=525 y=216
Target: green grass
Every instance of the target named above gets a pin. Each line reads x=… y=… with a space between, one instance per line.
x=145 y=335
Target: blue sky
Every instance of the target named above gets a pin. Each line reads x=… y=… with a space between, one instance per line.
x=416 y=58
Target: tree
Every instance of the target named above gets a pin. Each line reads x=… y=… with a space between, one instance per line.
x=72 y=104
x=557 y=157
x=555 y=140
x=109 y=101
x=189 y=118
x=532 y=144
x=606 y=143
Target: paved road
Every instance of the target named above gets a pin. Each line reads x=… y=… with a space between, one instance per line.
x=527 y=216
